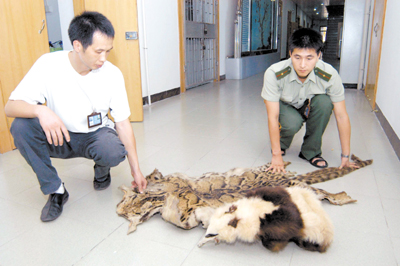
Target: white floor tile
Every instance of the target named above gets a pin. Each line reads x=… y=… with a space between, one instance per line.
x=388 y=184
x=135 y=249
x=350 y=248
x=396 y=248
x=16 y=220
x=11 y=160
x=365 y=216
x=392 y=214
x=61 y=242
x=238 y=254
x=16 y=181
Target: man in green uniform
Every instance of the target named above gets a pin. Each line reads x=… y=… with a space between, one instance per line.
x=304 y=89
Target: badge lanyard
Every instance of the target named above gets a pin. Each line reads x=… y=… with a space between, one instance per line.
x=94 y=119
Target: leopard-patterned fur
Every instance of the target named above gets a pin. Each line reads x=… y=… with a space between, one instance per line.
x=178 y=197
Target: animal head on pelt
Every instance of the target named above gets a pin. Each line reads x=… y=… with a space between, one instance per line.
x=276 y=216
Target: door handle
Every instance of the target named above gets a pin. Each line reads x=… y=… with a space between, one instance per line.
x=43 y=25
x=376 y=28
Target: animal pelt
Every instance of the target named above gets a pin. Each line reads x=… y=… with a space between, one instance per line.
x=186 y=201
x=276 y=216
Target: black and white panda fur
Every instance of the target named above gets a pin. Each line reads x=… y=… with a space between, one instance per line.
x=274 y=215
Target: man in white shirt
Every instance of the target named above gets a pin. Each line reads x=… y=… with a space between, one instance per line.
x=61 y=108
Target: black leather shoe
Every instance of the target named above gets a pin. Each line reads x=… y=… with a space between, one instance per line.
x=54 y=206
x=103 y=184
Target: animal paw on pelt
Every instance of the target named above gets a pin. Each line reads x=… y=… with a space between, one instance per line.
x=276 y=216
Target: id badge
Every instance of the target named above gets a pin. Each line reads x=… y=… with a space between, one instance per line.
x=94 y=120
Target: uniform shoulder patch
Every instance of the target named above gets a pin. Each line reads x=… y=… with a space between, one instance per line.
x=322 y=74
x=283 y=73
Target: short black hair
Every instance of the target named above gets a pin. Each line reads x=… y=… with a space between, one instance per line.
x=306 y=38
x=83 y=26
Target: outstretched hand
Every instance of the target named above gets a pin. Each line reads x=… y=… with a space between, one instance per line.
x=277 y=165
x=139 y=181
x=346 y=163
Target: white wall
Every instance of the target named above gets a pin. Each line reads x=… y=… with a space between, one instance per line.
x=362 y=76
x=388 y=90
x=227 y=17
x=350 y=57
x=303 y=18
x=59 y=14
x=160 y=19
x=53 y=20
x=66 y=11
x=162 y=33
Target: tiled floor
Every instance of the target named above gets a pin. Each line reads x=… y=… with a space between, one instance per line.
x=210 y=128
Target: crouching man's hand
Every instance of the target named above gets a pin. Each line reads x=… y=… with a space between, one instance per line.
x=139 y=181
x=53 y=126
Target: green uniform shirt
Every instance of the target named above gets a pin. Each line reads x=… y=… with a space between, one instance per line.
x=281 y=83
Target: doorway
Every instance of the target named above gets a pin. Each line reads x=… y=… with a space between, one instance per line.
x=375 y=51
x=199 y=42
x=53 y=25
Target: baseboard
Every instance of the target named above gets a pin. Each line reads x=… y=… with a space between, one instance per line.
x=350 y=85
x=161 y=96
x=392 y=136
x=247 y=66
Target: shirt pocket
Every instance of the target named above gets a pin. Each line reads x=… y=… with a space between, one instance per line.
x=287 y=95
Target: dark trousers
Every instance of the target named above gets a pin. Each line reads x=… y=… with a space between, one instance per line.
x=292 y=119
x=103 y=146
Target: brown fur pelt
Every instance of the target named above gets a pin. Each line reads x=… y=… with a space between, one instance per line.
x=274 y=215
x=186 y=201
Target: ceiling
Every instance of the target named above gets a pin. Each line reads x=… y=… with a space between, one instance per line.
x=308 y=7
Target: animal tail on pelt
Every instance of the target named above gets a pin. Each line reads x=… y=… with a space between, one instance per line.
x=331 y=172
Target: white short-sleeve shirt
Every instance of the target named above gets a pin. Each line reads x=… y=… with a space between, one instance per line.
x=53 y=80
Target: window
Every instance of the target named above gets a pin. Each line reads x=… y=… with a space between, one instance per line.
x=260 y=27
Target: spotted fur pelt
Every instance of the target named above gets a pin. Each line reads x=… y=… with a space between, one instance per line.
x=186 y=201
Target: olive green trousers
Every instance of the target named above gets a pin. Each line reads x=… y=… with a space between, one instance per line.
x=291 y=120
